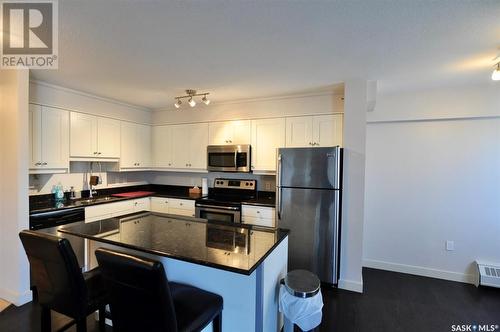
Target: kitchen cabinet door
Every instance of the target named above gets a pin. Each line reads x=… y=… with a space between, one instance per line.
x=229 y=132
x=143 y=146
x=159 y=204
x=83 y=135
x=267 y=136
x=327 y=130
x=135 y=145
x=219 y=133
x=108 y=138
x=35 y=135
x=189 y=146
x=142 y=204
x=162 y=146
x=241 y=132
x=299 y=131
x=198 y=141
x=55 y=138
x=128 y=155
x=180 y=146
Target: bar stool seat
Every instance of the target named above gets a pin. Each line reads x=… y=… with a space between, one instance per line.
x=191 y=302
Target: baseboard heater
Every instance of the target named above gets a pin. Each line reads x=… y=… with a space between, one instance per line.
x=489 y=274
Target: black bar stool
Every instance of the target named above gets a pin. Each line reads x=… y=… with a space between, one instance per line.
x=142 y=299
x=60 y=283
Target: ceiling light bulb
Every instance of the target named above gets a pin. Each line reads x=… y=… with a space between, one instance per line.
x=178 y=103
x=205 y=100
x=191 y=102
x=496 y=73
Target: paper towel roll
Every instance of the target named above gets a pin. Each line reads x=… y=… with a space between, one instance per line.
x=204 y=186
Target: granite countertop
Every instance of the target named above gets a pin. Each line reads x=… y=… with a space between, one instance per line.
x=240 y=249
x=46 y=203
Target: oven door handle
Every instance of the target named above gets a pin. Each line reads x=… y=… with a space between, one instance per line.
x=218 y=207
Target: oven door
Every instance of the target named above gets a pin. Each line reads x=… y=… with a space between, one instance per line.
x=218 y=213
x=228 y=158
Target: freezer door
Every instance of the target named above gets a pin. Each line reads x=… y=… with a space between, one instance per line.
x=309 y=167
x=312 y=216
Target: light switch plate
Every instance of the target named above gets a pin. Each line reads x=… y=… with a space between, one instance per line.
x=450 y=245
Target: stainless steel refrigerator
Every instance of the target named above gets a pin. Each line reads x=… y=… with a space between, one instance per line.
x=308 y=196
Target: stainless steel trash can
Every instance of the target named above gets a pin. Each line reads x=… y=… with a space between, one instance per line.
x=300 y=300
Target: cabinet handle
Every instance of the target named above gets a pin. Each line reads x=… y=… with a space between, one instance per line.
x=169 y=164
x=98 y=153
x=180 y=204
x=316 y=143
x=258 y=211
x=38 y=164
x=44 y=164
x=230 y=141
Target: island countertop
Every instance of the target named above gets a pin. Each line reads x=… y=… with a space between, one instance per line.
x=235 y=248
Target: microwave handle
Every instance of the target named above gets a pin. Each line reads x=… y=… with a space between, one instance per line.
x=236 y=159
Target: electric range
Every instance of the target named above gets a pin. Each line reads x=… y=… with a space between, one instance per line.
x=224 y=200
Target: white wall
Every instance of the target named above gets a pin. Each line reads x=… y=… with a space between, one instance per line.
x=262 y=108
x=51 y=95
x=351 y=252
x=56 y=96
x=194 y=179
x=14 y=270
x=434 y=180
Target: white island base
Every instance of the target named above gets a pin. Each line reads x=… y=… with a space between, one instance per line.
x=250 y=301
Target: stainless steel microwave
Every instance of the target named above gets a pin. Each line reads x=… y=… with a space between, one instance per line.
x=229 y=158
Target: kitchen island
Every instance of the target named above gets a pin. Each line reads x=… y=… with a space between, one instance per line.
x=243 y=264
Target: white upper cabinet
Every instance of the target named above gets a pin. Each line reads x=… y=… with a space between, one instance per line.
x=327 y=130
x=49 y=137
x=94 y=137
x=189 y=146
x=135 y=145
x=267 y=136
x=229 y=132
x=314 y=131
x=162 y=146
x=299 y=131
x=108 y=138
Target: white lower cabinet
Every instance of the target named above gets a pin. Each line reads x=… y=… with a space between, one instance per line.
x=116 y=209
x=183 y=207
x=258 y=215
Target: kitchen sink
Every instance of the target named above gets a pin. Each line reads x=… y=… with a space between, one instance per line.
x=96 y=200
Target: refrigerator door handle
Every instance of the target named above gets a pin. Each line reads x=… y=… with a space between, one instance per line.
x=278 y=175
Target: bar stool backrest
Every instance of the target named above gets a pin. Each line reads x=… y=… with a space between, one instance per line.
x=138 y=290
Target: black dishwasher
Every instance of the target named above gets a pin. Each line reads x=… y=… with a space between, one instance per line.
x=49 y=222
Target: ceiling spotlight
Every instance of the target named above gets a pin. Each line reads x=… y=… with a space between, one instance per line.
x=191 y=102
x=496 y=73
x=205 y=100
x=178 y=103
x=190 y=94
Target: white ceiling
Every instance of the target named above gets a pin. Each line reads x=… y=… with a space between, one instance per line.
x=147 y=52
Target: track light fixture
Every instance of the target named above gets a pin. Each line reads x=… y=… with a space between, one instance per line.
x=496 y=73
x=190 y=94
x=178 y=103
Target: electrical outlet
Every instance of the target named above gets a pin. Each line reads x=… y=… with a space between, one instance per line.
x=268 y=185
x=450 y=245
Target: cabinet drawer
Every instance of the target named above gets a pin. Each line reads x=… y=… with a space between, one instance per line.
x=266 y=222
x=185 y=204
x=257 y=212
x=182 y=212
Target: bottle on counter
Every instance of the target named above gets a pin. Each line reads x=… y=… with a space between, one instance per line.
x=59 y=192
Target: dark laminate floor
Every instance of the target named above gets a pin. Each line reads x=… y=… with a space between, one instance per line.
x=391 y=302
